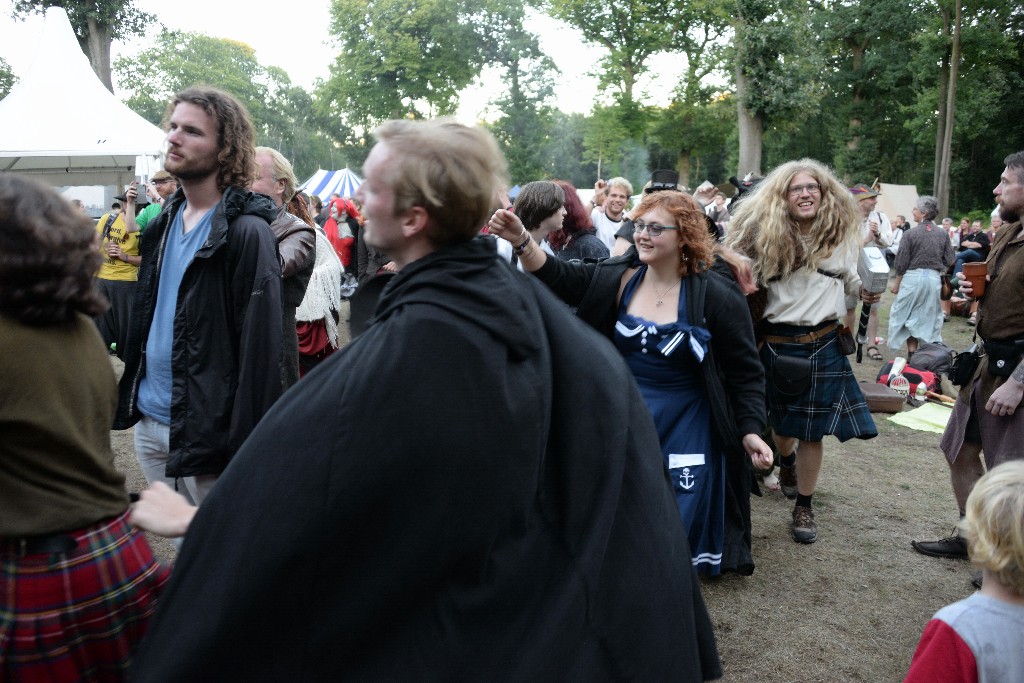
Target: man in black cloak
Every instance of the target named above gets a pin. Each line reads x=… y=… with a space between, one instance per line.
x=471 y=490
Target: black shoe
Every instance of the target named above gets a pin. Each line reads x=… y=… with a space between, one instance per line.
x=976 y=581
x=954 y=547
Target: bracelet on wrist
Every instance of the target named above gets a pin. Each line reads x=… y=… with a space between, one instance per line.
x=518 y=250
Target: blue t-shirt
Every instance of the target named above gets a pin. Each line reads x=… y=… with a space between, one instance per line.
x=155 y=388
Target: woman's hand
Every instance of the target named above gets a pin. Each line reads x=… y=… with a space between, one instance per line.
x=507 y=226
x=162 y=511
x=760 y=453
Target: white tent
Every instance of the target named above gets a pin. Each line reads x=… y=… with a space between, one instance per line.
x=324 y=183
x=897 y=200
x=61 y=125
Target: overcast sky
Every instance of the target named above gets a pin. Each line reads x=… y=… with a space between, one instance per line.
x=298 y=43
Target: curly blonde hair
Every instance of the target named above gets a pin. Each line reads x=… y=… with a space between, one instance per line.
x=763 y=229
x=994 y=524
x=696 y=244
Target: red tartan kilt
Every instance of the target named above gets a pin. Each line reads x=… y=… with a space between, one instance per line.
x=78 y=616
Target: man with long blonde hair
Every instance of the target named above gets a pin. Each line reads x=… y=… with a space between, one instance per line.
x=801 y=228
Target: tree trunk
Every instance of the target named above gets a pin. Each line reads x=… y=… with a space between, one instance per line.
x=946 y=152
x=855 y=132
x=750 y=129
x=100 y=38
x=940 y=132
x=683 y=167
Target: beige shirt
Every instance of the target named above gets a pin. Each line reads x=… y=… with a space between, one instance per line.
x=806 y=297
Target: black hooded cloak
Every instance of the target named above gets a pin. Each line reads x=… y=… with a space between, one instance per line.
x=471 y=490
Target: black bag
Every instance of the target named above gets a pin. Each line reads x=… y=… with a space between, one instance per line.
x=1003 y=357
x=961 y=371
x=791 y=376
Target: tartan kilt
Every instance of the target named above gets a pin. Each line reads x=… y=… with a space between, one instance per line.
x=832 y=404
x=77 y=616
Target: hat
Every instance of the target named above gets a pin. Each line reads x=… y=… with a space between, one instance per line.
x=862 y=191
x=663 y=180
x=161 y=175
x=121 y=198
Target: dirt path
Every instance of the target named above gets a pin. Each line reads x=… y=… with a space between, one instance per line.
x=850 y=607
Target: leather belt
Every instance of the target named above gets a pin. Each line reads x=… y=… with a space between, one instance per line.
x=39 y=545
x=803 y=338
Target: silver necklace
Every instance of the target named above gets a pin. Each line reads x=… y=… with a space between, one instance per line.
x=661 y=296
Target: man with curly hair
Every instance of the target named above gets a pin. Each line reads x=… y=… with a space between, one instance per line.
x=802 y=230
x=201 y=367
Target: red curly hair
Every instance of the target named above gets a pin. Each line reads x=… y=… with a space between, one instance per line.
x=576 y=217
x=695 y=242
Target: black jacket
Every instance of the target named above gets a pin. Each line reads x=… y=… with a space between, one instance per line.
x=732 y=374
x=227 y=333
x=436 y=501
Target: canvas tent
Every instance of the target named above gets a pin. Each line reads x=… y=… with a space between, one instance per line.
x=324 y=183
x=62 y=126
x=897 y=200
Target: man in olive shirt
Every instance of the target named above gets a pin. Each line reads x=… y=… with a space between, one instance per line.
x=986 y=418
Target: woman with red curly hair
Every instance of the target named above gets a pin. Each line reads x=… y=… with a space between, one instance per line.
x=577 y=239
x=694 y=359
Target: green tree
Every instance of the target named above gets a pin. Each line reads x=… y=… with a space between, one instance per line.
x=525 y=124
x=406 y=58
x=777 y=72
x=866 y=79
x=989 y=84
x=632 y=32
x=564 y=152
x=7 y=78
x=97 y=23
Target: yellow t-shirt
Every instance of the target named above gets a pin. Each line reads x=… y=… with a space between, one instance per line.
x=115 y=268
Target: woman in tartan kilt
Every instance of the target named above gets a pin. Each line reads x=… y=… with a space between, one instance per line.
x=77 y=583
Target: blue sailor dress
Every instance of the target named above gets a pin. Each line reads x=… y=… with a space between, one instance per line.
x=672 y=389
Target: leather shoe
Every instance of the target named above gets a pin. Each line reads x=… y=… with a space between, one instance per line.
x=953 y=547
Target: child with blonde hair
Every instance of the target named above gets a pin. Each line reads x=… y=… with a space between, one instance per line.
x=982 y=638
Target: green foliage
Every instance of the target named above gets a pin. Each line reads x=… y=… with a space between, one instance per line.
x=777 y=51
x=7 y=78
x=121 y=17
x=564 y=152
x=632 y=32
x=407 y=58
x=524 y=127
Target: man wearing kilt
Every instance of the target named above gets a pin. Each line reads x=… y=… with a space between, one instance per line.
x=77 y=584
x=801 y=228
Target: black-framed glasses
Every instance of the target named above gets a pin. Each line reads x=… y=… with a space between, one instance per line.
x=653 y=229
x=797 y=190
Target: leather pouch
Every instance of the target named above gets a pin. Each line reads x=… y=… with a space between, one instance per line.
x=1003 y=357
x=847 y=344
x=791 y=376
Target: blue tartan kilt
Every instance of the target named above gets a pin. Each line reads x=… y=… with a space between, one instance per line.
x=832 y=404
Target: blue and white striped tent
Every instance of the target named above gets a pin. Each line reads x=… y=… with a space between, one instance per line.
x=324 y=183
